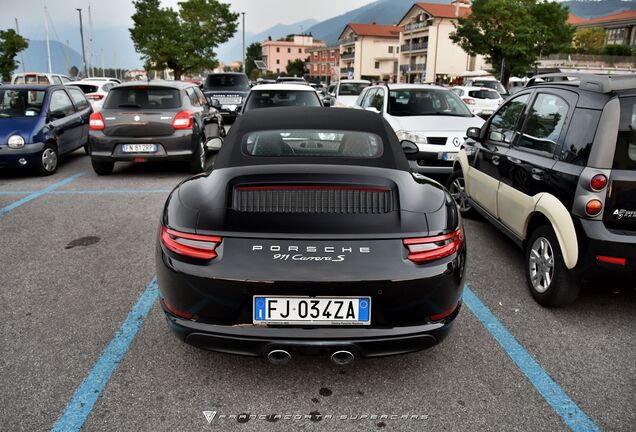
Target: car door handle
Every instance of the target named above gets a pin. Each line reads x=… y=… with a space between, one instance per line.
x=495 y=160
x=514 y=160
x=537 y=173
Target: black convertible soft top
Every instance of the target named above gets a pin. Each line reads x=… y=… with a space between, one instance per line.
x=311 y=118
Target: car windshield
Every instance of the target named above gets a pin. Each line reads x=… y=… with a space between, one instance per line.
x=143 y=97
x=237 y=82
x=495 y=85
x=318 y=143
x=86 y=88
x=21 y=103
x=423 y=102
x=281 y=98
x=351 y=89
x=484 y=94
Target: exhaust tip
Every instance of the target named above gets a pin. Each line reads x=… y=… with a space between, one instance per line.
x=279 y=357
x=342 y=357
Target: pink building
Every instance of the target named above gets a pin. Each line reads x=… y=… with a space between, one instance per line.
x=277 y=54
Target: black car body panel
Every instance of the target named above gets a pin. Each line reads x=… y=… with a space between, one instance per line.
x=340 y=232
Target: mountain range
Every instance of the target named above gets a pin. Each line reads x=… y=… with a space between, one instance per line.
x=381 y=11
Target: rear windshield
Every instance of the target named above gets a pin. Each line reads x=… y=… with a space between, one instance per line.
x=421 y=102
x=351 y=89
x=318 y=143
x=236 y=82
x=281 y=98
x=143 y=97
x=86 y=88
x=484 y=94
x=495 y=85
x=625 y=155
x=21 y=103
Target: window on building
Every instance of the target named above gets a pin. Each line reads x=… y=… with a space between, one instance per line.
x=277 y=49
x=377 y=65
x=300 y=50
x=277 y=61
x=288 y=50
x=391 y=49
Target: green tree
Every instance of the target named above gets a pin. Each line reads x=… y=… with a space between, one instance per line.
x=589 y=40
x=296 y=68
x=11 y=43
x=513 y=32
x=617 y=50
x=253 y=52
x=182 y=41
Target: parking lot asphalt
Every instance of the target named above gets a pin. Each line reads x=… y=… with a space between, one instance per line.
x=75 y=259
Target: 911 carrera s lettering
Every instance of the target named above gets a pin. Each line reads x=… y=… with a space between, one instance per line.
x=301 y=257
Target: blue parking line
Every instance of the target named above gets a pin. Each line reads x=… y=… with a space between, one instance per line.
x=6 y=209
x=109 y=191
x=553 y=394
x=80 y=406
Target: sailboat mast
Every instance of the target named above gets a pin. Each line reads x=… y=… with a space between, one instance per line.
x=46 y=31
x=90 y=41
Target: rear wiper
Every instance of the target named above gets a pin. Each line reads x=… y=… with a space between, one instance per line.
x=128 y=106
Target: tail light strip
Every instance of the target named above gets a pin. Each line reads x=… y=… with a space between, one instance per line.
x=190 y=245
x=426 y=249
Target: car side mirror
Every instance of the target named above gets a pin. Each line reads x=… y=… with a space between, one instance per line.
x=326 y=102
x=474 y=133
x=410 y=149
x=373 y=110
x=214 y=143
x=56 y=115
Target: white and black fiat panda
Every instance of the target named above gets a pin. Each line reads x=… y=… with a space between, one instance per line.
x=555 y=169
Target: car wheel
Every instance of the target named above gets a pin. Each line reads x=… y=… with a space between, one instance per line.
x=456 y=187
x=102 y=168
x=549 y=280
x=197 y=164
x=47 y=163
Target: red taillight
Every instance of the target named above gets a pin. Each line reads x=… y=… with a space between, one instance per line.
x=432 y=248
x=442 y=315
x=95 y=97
x=178 y=312
x=593 y=207
x=183 y=120
x=469 y=101
x=96 y=122
x=190 y=245
x=598 y=182
x=612 y=260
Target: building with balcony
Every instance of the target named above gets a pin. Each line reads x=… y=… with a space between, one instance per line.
x=620 y=28
x=324 y=63
x=427 y=53
x=369 y=51
x=277 y=54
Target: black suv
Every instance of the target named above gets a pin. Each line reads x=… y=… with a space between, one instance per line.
x=555 y=169
x=229 y=89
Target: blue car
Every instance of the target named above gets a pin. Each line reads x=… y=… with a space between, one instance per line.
x=38 y=124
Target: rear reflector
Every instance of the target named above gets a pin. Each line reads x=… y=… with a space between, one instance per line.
x=96 y=122
x=174 y=311
x=612 y=260
x=442 y=315
x=426 y=249
x=183 y=120
x=593 y=207
x=190 y=245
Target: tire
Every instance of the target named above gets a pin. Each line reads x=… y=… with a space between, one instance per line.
x=197 y=164
x=456 y=187
x=102 y=168
x=48 y=161
x=549 y=280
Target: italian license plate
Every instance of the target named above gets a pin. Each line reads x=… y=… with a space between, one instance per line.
x=312 y=310
x=139 y=148
x=449 y=156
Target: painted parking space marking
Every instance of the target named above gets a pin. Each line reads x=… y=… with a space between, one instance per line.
x=90 y=191
x=563 y=405
x=82 y=402
x=6 y=209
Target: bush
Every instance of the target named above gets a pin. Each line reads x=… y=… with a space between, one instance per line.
x=617 y=50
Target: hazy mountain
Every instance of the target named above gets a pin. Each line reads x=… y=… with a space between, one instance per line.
x=231 y=50
x=592 y=8
x=35 y=57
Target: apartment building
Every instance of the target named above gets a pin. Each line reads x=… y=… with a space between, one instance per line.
x=277 y=54
x=427 y=54
x=324 y=63
x=620 y=28
x=369 y=51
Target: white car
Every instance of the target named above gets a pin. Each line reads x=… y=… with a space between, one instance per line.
x=116 y=80
x=40 y=78
x=95 y=91
x=280 y=95
x=347 y=91
x=481 y=101
x=432 y=117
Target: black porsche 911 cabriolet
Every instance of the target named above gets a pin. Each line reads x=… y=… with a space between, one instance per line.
x=310 y=236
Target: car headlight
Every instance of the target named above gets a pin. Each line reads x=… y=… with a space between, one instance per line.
x=15 y=142
x=411 y=136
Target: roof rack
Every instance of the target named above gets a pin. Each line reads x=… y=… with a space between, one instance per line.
x=590 y=82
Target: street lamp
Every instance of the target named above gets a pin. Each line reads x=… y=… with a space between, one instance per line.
x=243 y=13
x=82 y=37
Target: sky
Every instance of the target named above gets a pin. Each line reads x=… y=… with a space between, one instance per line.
x=114 y=13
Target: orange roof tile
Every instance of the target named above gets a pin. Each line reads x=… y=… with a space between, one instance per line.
x=620 y=16
x=444 y=10
x=575 y=19
x=376 y=30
